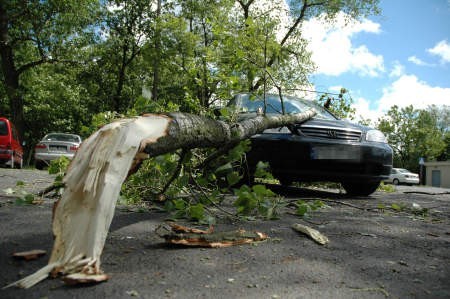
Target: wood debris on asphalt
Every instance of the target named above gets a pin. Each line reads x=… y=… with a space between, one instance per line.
x=312 y=233
x=182 y=235
x=30 y=254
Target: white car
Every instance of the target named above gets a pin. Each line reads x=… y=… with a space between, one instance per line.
x=55 y=145
x=402 y=176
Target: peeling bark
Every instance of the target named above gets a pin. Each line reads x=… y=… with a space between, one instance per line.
x=103 y=162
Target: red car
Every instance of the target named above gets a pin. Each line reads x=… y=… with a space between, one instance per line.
x=11 y=151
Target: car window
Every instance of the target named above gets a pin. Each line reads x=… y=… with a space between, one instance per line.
x=403 y=170
x=62 y=137
x=248 y=104
x=3 y=128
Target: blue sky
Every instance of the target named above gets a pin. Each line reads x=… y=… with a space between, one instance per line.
x=401 y=57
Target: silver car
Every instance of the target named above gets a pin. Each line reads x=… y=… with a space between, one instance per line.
x=402 y=176
x=55 y=145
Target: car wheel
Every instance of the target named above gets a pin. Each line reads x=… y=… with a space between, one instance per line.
x=360 y=188
x=396 y=182
x=39 y=165
x=284 y=180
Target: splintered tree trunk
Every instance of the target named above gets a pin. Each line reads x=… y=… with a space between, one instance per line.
x=103 y=162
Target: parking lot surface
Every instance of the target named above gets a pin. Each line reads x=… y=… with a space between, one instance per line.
x=388 y=245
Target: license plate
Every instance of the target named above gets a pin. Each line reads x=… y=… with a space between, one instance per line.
x=334 y=153
x=58 y=148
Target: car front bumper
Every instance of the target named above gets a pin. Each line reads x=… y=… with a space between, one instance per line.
x=413 y=181
x=51 y=156
x=310 y=159
x=5 y=154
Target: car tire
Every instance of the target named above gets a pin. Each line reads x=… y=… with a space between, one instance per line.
x=39 y=165
x=284 y=180
x=360 y=188
x=396 y=182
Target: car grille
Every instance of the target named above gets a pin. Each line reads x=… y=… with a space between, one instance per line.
x=331 y=133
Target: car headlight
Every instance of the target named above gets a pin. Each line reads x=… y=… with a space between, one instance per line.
x=375 y=136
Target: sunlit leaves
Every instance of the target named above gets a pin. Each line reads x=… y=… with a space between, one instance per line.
x=413 y=134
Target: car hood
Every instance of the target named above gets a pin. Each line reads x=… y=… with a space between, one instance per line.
x=320 y=122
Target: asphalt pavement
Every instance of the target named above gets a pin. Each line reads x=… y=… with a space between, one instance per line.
x=388 y=245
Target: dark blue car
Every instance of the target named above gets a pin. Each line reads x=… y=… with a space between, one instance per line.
x=323 y=148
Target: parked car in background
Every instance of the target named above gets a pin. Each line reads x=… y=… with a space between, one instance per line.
x=402 y=176
x=323 y=148
x=53 y=146
x=11 y=151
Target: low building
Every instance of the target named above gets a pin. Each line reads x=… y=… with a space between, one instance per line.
x=437 y=174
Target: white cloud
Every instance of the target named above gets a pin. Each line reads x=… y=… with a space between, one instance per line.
x=397 y=70
x=441 y=49
x=363 y=110
x=332 y=48
x=417 y=61
x=409 y=90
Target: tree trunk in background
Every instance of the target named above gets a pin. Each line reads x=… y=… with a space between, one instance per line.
x=11 y=75
x=156 y=61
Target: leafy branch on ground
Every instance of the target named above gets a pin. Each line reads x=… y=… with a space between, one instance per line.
x=413 y=209
x=23 y=197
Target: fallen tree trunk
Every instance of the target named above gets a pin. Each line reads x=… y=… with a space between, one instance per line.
x=103 y=162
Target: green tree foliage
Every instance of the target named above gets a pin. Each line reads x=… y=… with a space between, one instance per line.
x=34 y=33
x=442 y=116
x=189 y=54
x=341 y=106
x=412 y=134
x=72 y=65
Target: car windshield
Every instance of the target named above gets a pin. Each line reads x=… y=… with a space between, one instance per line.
x=3 y=128
x=248 y=104
x=62 y=137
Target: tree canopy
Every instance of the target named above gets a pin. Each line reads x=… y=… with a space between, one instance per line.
x=415 y=134
x=65 y=63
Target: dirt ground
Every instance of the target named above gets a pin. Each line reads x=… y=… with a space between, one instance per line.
x=388 y=245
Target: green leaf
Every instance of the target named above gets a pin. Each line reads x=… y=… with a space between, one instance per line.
x=396 y=207
x=262 y=191
x=302 y=209
x=179 y=204
x=197 y=211
x=233 y=178
x=224 y=112
x=224 y=168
